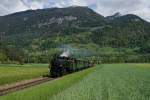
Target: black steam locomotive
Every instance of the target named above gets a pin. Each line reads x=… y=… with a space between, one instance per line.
x=60 y=66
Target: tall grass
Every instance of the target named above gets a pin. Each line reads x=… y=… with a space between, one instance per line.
x=111 y=82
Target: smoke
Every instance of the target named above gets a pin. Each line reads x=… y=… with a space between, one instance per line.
x=65 y=54
x=68 y=50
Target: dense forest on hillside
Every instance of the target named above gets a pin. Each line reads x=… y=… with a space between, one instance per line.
x=33 y=36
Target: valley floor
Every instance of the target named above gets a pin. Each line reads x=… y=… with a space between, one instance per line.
x=104 y=82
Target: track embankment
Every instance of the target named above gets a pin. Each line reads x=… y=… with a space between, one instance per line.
x=22 y=85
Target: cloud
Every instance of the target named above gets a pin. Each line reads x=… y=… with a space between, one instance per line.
x=104 y=7
x=107 y=7
x=138 y=7
x=7 y=6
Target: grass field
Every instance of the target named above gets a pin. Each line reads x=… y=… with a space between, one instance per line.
x=11 y=72
x=46 y=90
x=112 y=82
x=105 y=82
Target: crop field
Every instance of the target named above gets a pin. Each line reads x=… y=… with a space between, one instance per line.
x=112 y=82
x=11 y=72
x=104 y=82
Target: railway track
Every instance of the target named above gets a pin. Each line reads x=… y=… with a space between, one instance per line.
x=23 y=86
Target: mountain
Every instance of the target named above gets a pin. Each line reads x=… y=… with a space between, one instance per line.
x=116 y=15
x=32 y=24
x=124 y=31
x=36 y=34
x=46 y=20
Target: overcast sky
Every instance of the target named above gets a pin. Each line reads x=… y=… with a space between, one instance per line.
x=104 y=7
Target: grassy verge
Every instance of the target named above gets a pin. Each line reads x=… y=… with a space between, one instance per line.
x=10 y=73
x=46 y=90
x=111 y=82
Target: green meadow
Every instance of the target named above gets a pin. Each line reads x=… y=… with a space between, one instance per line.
x=10 y=73
x=103 y=82
x=48 y=89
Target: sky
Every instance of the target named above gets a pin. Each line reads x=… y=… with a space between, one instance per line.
x=103 y=7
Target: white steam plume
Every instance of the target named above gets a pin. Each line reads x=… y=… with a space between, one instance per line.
x=65 y=54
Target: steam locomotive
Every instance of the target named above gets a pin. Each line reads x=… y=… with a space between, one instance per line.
x=61 y=65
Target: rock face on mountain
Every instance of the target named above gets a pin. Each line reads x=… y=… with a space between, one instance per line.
x=46 y=29
x=49 y=20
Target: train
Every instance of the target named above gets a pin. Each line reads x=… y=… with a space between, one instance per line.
x=62 y=65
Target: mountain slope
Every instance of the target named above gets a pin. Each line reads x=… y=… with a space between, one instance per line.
x=49 y=20
x=123 y=31
x=36 y=34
